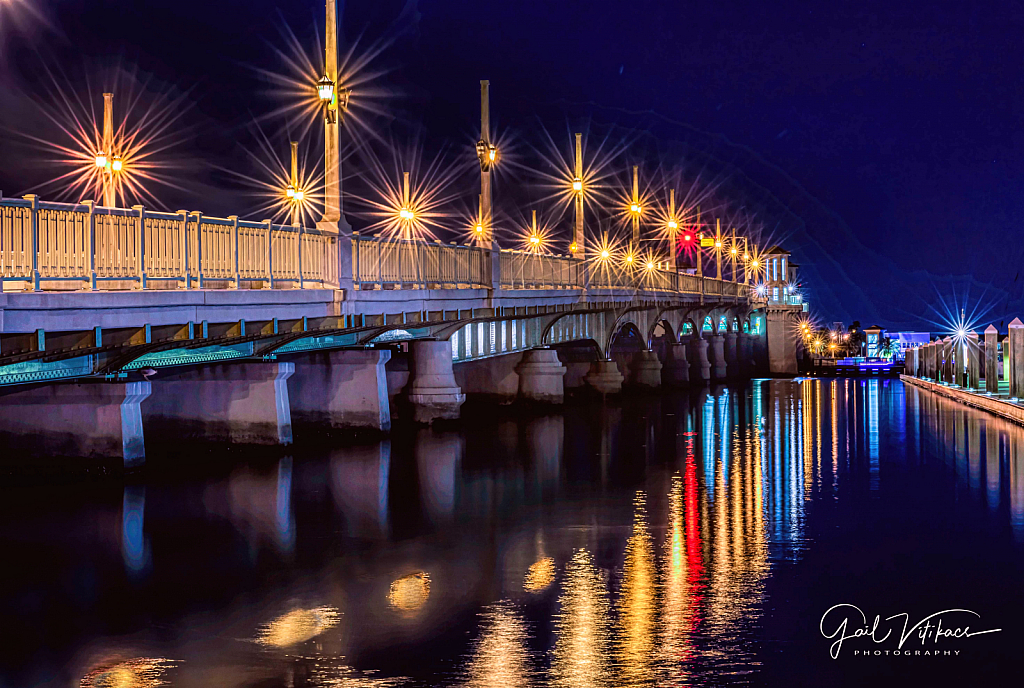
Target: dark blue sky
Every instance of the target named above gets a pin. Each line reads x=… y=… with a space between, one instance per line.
x=886 y=136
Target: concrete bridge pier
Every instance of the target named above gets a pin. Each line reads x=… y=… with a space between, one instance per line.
x=675 y=371
x=991 y=359
x=604 y=377
x=700 y=367
x=245 y=403
x=716 y=350
x=433 y=392
x=541 y=376
x=745 y=353
x=732 y=360
x=645 y=370
x=342 y=389
x=92 y=420
x=936 y=364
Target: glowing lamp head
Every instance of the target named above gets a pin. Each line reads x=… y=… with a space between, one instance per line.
x=756 y=263
x=299 y=195
x=405 y=214
x=492 y=153
x=761 y=290
x=687 y=237
x=672 y=224
x=479 y=229
x=718 y=244
x=101 y=159
x=290 y=191
x=534 y=239
x=650 y=265
x=733 y=252
x=605 y=253
x=577 y=185
x=629 y=259
x=572 y=247
x=116 y=164
x=961 y=333
x=746 y=256
x=325 y=89
x=634 y=208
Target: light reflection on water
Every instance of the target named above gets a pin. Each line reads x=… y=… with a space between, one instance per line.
x=615 y=546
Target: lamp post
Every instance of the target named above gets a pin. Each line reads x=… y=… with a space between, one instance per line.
x=577 y=247
x=673 y=227
x=534 y=238
x=295 y=194
x=406 y=214
x=718 y=247
x=335 y=102
x=635 y=209
x=487 y=153
x=746 y=262
x=106 y=161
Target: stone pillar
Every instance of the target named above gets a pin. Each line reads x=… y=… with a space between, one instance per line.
x=746 y=354
x=645 y=370
x=781 y=342
x=936 y=366
x=991 y=359
x=239 y=402
x=946 y=359
x=91 y=420
x=973 y=376
x=433 y=392
x=1016 y=349
x=700 y=367
x=676 y=370
x=341 y=389
x=717 y=356
x=541 y=376
x=732 y=360
x=604 y=377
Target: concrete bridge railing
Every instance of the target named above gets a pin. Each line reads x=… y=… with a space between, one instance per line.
x=54 y=246
x=137 y=248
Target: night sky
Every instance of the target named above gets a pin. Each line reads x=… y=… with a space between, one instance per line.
x=881 y=141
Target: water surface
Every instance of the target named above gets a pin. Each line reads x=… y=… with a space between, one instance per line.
x=673 y=539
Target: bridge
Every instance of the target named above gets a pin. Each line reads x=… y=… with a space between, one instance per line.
x=232 y=328
x=114 y=319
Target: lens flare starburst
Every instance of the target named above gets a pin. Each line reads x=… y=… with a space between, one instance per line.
x=111 y=143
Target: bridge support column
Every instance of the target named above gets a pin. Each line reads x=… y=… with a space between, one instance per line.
x=732 y=361
x=433 y=392
x=746 y=346
x=227 y=402
x=604 y=377
x=717 y=356
x=991 y=359
x=342 y=389
x=675 y=371
x=936 y=365
x=94 y=420
x=1015 y=340
x=700 y=367
x=541 y=376
x=645 y=370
